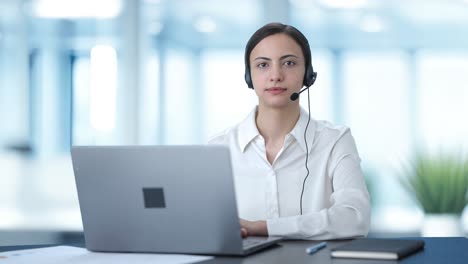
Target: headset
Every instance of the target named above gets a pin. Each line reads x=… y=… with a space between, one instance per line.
x=309 y=79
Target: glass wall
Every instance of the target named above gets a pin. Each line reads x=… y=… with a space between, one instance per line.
x=443 y=93
x=152 y=72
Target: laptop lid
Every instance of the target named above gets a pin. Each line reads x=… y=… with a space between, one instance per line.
x=172 y=199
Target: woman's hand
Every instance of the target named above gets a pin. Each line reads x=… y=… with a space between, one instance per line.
x=253 y=228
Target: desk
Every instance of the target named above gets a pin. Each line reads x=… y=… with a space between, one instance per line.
x=453 y=250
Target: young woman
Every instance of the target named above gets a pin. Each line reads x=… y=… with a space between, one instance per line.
x=291 y=181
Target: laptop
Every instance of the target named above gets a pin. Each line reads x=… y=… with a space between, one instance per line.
x=164 y=199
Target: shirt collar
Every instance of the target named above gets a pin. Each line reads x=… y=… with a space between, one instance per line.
x=248 y=130
x=298 y=131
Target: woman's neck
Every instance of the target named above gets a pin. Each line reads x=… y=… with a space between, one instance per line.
x=274 y=124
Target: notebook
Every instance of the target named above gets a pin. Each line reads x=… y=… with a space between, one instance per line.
x=387 y=249
x=165 y=199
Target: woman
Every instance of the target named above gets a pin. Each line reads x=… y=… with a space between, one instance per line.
x=292 y=182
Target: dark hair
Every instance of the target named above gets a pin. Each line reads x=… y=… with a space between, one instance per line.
x=276 y=28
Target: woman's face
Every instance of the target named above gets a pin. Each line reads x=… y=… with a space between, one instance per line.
x=277 y=67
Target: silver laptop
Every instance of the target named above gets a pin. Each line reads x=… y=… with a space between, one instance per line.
x=167 y=199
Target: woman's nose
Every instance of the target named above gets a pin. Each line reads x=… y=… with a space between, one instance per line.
x=276 y=74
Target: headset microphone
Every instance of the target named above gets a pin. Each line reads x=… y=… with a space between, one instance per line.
x=294 y=96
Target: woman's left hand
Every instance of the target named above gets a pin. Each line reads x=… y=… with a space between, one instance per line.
x=253 y=228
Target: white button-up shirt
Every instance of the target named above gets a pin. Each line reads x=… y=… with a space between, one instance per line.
x=335 y=203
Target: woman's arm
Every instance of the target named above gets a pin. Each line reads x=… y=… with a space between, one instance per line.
x=349 y=212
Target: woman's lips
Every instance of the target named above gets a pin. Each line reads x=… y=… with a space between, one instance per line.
x=276 y=90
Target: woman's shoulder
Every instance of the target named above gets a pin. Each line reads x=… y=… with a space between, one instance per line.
x=330 y=132
x=223 y=136
x=230 y=134
x=329 y=127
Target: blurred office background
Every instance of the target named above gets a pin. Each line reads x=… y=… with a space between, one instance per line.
x=114 y=72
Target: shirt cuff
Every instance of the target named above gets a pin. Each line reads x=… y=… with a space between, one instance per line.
x=283 y=227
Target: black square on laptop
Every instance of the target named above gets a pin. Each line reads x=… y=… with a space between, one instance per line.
x=154 y=198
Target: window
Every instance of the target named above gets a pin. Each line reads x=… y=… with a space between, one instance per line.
x=443 y=96
x=377 y=108
x=376 y=104
x=228 y=100
x=94 y=97
x=179 y=125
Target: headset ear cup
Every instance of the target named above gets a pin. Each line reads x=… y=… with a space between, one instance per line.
x=310 y=76
x=247 y=77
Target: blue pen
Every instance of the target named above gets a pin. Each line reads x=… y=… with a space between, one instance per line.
x=315 y=248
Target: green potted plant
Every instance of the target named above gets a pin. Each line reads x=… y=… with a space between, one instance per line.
x=439 y=184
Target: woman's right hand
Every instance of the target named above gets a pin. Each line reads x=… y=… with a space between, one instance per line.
x=244 y=233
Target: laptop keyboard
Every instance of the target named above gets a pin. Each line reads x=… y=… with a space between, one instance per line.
x=246 y=242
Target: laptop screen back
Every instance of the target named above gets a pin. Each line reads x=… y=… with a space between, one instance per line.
x=174 y=199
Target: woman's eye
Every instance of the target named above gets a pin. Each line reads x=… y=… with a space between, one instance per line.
x=289 y=63
x=261 y=65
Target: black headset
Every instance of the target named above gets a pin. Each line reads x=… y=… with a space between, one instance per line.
x=309 y=76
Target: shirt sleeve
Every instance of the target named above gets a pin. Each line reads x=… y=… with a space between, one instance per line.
x=349 y=213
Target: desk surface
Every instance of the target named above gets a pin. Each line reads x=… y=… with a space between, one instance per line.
x=453 y=250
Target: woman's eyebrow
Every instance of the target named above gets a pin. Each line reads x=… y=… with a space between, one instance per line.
x=281 y=58
x=262 y=58
x=287 y=56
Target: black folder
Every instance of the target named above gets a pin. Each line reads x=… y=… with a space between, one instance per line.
x=390 y=249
